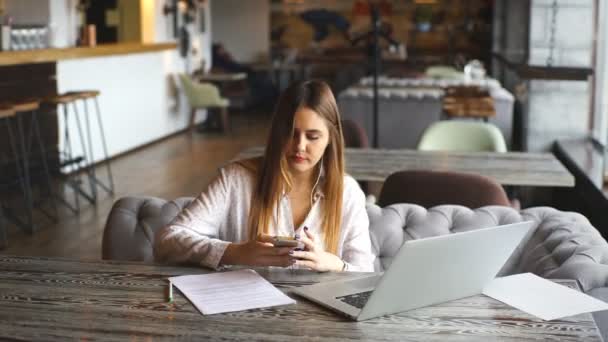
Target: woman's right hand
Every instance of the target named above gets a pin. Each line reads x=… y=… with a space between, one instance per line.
x=260 y=252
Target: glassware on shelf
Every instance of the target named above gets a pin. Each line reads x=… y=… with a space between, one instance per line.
x=29 y=37
x=474 y=71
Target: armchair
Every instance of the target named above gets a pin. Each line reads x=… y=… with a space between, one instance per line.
x=204 y=96
x=457 y=135
x=561 y=245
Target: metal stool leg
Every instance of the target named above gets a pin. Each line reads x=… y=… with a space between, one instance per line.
x=91 y=154
x=14 y=148
x=75 y=184
x=105 y=150
x=27 y=194
x=34 y=133
x=69 y=157
x=87 y=161
x=45 y=166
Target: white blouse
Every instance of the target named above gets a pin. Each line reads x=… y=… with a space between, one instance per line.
x=219 y=215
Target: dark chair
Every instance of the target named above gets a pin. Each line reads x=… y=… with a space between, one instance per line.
x=432 y=188
x=355 y=136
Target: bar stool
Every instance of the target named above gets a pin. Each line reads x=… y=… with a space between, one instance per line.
x=67 y=160
x=7 y=113
x=22 y=109
x=26 y=163
x=84 y=96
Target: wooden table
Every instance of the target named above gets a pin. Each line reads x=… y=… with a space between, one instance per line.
x=222 y=77
x=511 y=168
x=294 y=72
x=60 y=299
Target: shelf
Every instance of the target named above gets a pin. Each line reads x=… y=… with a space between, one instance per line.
x=53 y=55
x=537 y=72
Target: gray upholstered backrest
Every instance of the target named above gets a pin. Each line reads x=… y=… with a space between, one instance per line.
x=562 y=244
x=392 y=225
x=132 y=223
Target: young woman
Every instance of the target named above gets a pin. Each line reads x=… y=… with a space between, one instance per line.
x=298 y=188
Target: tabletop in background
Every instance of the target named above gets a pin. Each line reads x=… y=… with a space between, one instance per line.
x=510 y=168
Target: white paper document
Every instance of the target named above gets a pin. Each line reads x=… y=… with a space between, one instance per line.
x=229 y=291
x=541 y=297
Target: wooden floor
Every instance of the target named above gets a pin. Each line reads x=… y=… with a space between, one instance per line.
x=179 y=166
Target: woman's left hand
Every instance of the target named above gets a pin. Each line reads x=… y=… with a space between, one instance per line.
x=314 y=257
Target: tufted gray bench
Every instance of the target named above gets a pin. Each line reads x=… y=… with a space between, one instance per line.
x=417 y=101
x=563 y=245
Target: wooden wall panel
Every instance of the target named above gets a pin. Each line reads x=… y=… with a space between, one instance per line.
x=30 y=81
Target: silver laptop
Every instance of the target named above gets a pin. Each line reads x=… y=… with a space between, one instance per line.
x=424 y=272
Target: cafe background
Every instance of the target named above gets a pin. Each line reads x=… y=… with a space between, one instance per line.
x=426 y=28
x=541 y=51
x=120 y=78
x=464 y=24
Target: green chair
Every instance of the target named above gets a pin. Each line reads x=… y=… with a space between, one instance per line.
x=204 y=96
x=457 y=135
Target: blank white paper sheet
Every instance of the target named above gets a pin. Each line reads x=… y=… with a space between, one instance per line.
x=229 y=291
x=541 y=297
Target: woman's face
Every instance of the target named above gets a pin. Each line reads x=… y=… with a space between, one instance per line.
x=310 y=138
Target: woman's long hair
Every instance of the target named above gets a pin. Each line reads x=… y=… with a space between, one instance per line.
x=273 y=177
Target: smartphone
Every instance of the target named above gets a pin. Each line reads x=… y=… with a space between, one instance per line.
x=285 y=241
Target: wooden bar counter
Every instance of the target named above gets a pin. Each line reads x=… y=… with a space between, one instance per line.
x=53 y=55
x=37 y=74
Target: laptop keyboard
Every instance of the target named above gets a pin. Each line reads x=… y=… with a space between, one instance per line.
x=357 y=300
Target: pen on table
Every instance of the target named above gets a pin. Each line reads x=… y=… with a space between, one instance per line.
x=170 y=292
